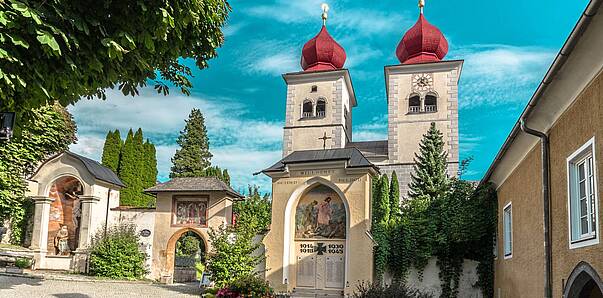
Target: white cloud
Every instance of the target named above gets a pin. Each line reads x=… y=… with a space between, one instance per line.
x=499 y=74
x=271 y=57
x=240 y=144
x=362 y=21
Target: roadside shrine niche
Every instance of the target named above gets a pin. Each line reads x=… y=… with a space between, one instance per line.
x=320 y=234
x=65 y=215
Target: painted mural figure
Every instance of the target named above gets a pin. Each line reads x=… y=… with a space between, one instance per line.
x=61 y=241
x=320 y=220
x=191 y=213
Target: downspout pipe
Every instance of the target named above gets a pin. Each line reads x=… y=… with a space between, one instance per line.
x=546 y=204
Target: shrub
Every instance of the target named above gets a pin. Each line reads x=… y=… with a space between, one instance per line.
x=396 y=290
x=22 y=263
x=248 y=286
x=116 y=253
x=231 y=257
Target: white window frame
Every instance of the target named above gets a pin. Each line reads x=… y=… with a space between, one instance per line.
x=504 y=232
x=585 y=152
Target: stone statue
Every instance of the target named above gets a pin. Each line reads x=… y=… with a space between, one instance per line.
x=61 y=241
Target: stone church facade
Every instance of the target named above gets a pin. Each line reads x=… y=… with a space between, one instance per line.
x=319 y=241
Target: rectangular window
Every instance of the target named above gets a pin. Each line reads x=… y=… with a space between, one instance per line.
x=582 y=196
x=508 y=231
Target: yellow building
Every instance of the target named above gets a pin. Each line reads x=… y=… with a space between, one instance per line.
x=319 y=242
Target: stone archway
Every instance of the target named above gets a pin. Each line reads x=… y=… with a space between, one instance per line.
x=170 y=251
x=323 y=255
x=583 y=282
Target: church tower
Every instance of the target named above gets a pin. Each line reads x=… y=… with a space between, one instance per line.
x=319 y=98
x=421 y=90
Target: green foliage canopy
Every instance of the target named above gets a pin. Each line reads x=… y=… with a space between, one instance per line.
x=253 y=214
x=47 y=130
x=63 y=50
x=232 y=256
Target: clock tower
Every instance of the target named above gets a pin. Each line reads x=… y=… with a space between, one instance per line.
x=421 y=90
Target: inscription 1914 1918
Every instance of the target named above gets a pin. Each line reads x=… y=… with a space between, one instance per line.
x=320 y=248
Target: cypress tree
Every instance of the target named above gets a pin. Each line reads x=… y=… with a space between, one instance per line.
x=226 y=177
x=429 y=180
x=193 y=157
x=112 y=150
x=129 y=170
x=150 y=171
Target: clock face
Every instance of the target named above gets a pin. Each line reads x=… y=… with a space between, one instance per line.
x=422 y=82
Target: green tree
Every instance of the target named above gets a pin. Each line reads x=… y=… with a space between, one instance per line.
x=112 y=150
x=64 y=50
x=193 y=157
x=45 y=131
x=429 y=180
x=129 y=171
x=232 y=255
x=149 y=175
x=253 y=214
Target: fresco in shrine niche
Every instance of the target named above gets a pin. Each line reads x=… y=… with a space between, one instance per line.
x=65 y=214
x=320 y=213
x=189 y=211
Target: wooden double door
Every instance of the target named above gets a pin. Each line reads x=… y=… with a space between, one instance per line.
x=320 y=264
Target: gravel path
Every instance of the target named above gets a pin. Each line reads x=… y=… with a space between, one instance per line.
x=22 y=287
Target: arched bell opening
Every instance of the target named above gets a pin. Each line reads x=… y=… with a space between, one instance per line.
x=65 y=215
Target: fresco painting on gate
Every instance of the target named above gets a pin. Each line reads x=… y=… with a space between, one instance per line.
x=320 y=213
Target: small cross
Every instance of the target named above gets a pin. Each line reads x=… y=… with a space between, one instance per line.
x=320 y=249
x=324 y=141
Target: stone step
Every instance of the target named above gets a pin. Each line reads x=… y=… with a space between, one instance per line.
x=307 y=293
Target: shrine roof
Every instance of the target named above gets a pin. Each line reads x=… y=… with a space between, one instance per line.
x=353 y=156
x=370 y=148
x=97 y=170
x=191 y=184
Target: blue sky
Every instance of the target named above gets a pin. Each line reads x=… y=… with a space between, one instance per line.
x=507 y=47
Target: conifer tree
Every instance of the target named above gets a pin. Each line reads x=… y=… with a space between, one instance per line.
x=112 y=150
x=226 y=177
x=193 y=157
x=429 y=180
x=150 y=171
x=129 y=170
x=394 y=198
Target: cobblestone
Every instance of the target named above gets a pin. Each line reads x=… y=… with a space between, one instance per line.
x=23 y=287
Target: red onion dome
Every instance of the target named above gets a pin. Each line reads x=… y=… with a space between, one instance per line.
x=322 y=53
x=422 y=43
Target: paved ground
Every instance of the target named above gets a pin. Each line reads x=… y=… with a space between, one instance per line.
x=22 y=287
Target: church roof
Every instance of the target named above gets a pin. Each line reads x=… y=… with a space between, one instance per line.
x=188 y=184
x=371 y=148
x=353 y=156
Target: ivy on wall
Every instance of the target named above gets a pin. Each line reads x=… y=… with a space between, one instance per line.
x=443 y=217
